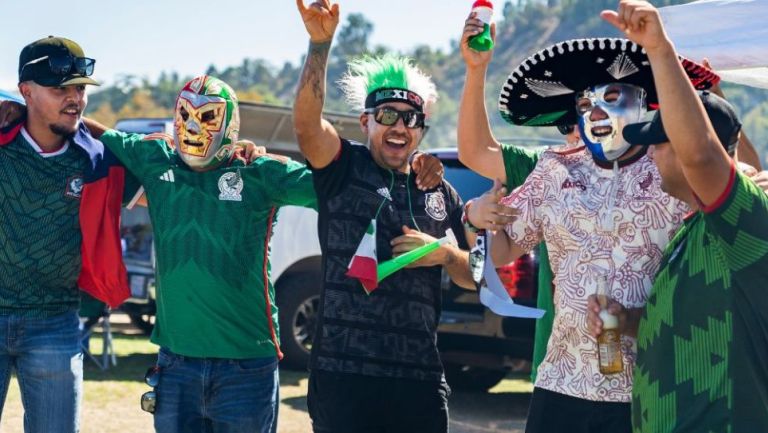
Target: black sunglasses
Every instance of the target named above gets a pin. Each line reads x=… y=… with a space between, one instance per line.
x=66 y=64
x=566 y=129
x=149 y=398
x=388 y=116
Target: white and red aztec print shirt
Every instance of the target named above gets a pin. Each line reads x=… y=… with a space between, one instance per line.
x=600 y=224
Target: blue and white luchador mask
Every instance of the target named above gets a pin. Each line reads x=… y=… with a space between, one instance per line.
x=603 y=112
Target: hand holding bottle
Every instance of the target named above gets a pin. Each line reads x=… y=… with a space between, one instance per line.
x=474 y=28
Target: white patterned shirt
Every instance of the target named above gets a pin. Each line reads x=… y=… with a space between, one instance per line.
x=599 y=224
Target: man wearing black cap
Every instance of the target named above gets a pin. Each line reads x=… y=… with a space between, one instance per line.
x=61 y=195
x=702 y=361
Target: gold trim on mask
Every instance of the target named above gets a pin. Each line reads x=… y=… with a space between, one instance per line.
x=198 y=126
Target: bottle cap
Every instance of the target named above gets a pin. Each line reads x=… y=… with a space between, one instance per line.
x=482 y=4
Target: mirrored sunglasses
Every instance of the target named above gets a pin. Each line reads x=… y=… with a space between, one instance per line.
x=389 y=116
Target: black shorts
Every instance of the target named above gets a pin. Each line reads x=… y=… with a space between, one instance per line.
x=350 y=403
x=551 y=412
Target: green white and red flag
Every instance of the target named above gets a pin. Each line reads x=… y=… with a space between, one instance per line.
x=363 y=265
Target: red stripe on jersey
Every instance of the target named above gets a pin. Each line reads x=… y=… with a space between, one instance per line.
x=103 y=274
x=265 y=277
x=720 y=200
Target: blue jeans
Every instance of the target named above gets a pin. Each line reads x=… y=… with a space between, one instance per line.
x=49 y=366
x=215 y=395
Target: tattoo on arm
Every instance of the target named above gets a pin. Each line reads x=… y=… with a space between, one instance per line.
x=315 y=69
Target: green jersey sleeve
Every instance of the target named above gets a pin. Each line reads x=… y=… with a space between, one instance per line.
x=284 y=181
x=131 y=189
x=136 y=153
x=518 y=164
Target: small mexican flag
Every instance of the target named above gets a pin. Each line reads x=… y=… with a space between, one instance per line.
x=363 y=264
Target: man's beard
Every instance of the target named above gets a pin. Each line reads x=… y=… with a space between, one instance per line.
x=63 y=131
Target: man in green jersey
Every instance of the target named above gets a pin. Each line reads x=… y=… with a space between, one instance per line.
x=702 y=361
x=60 y=195
x=212 y=215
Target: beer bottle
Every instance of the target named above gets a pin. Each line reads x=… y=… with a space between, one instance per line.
x=609 y=341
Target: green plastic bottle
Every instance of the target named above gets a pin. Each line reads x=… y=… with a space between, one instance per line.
x=482 y=41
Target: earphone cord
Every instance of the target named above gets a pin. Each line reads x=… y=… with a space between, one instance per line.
x=389 y=193
x=410 y=204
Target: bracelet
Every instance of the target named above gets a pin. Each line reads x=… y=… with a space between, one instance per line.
x=465 y=218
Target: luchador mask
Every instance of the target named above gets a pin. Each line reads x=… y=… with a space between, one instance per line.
x=206 y=123
x=603 y=112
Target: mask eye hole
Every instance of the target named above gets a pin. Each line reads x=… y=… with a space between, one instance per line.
x=611 y=95
x=583 y=105
x=184 y=114
x=208 y=116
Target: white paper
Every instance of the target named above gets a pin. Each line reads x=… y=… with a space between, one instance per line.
x=494 y=296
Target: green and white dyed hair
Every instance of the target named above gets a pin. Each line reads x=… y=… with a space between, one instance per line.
x=368 y=74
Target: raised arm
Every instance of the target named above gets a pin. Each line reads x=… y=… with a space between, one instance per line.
x=704 y=162
x=318 y=139
x=478 y=149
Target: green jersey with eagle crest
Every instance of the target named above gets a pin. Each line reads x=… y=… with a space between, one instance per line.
x=212 y=232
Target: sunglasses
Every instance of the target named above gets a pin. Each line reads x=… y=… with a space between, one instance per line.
x=66 y=64
x=388 y=116
x=149 y=398
x=566 y=129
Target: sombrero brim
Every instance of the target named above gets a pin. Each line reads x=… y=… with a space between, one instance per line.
x=541 y=91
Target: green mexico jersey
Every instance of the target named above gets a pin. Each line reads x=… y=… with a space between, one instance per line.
x=702 y=363
x=212 y=232
x=40 y=233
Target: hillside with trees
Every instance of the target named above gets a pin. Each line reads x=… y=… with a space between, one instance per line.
x=525 y=27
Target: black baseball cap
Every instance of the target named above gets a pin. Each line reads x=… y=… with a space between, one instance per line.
x=721 y=115
x=55 y=61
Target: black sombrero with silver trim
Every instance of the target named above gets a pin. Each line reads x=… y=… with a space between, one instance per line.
x=541 y=91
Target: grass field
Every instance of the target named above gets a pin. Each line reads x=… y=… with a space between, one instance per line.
x=111 y=397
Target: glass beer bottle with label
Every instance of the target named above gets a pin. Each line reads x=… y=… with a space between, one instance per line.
x=609 y=341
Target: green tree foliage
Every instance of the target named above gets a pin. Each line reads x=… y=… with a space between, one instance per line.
x=525 y=26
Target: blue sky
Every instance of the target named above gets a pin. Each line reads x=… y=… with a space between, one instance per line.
x=145 y=37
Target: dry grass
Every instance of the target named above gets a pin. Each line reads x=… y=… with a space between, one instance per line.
x=111 y=398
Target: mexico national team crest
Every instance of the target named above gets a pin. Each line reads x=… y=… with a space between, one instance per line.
x=74 y=187
x=434 y=204
x=230 y=186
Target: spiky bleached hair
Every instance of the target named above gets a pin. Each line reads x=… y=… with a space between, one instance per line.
x=369 y=73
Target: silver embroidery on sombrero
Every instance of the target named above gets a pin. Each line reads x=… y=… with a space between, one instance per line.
x=546 y=89
x=622 y=67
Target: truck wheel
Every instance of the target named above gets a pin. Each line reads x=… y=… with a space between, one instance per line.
x=144 y=322
x=298 y=302
x=472 y=379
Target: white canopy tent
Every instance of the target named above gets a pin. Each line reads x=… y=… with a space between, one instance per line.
x=732 y=34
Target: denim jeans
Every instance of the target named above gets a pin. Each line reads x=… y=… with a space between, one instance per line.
x=45 y=353
x=215 y=395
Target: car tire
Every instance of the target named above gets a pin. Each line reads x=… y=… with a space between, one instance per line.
x=472 y=379
x=144 y=322
x=298 y=303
